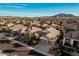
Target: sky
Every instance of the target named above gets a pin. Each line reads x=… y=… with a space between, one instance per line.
x=38 y=9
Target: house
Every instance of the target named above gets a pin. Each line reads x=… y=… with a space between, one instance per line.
x=71 y=40
x=10 y=24
x=52 y=32
x=45 y=25
x=55 y=26
x=71 y=27
x=35 y=29
x=23 y=30
x=70 y=37
x=49 y=35
x=18 y=27
x=2 y=23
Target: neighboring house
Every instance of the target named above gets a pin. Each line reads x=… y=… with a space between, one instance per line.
x=18 y=27
x=10 y=25
x=71 y=27
x=52 y=32
x=2 y=23
x=71 y=40
x=71 y=37
x=23 y=30
x=55 y=26
x=18 y=21
x=45 y=25
x=35 y=29
x=50 y=35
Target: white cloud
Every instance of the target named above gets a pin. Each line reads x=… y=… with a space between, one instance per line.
x=16 y=6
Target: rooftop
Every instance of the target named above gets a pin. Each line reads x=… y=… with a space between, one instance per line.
x=52 y=32
x=72 y=35
x=35 y=29
x=18 y=27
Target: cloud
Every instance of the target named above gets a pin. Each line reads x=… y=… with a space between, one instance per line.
x=14 y=5
x=19 y=5
x=23 y=4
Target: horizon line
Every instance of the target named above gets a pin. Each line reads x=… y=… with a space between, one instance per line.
x=38 y=16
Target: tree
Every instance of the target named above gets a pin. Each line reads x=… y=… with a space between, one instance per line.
x=31 y=38
x=10 y=30
x=0 y=29
x=61 y=22
x=50 y=22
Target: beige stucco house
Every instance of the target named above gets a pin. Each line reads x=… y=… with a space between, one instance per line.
x=51 y=35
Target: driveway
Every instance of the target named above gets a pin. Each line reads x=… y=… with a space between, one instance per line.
x=44 y=48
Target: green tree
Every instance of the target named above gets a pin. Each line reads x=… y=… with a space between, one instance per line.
x=61 y=36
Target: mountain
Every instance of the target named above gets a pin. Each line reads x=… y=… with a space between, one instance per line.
x=64 y=15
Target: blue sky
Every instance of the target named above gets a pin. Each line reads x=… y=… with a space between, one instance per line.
x=38 y=9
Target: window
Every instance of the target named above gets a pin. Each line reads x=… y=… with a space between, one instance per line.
x=76 y=44
x=67 y=42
